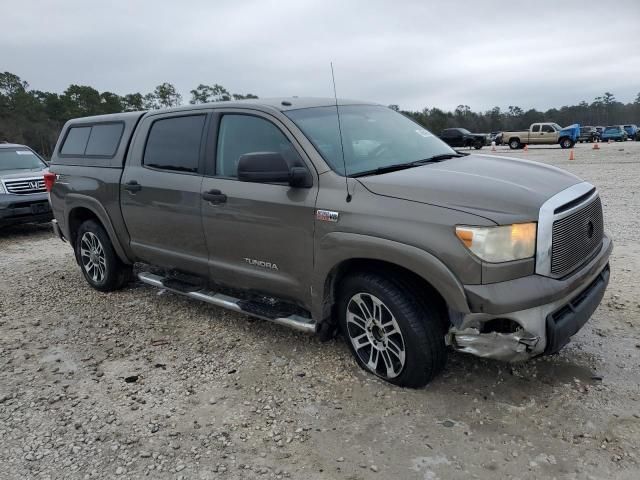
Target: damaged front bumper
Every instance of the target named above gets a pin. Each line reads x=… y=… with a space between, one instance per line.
x=508 y=347
x=543 y=329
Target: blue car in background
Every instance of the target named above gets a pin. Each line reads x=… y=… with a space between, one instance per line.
x=614 y=133
x=632 y=131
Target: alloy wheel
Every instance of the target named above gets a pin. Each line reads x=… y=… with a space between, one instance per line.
x=92 y=256
x=375 y=335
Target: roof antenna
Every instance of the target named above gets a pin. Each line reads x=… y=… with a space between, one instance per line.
x=344 y=162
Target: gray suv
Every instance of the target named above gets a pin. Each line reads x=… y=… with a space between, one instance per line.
x=23 y=197
x=331 y=217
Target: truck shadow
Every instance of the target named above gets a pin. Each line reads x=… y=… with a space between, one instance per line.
x=26 y=230
x=537 y=378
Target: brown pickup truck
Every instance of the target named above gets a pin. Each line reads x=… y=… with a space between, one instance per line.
x=383 y=232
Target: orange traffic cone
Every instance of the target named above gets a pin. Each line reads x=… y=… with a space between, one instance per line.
x=571 y=155
x=596 y=146
x=526 y=147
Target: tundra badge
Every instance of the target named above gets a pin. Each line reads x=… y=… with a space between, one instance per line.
x=261 y=263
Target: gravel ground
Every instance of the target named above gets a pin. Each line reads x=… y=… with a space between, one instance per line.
x=145 y=383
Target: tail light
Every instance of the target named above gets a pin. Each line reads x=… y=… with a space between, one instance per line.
x=49 y=180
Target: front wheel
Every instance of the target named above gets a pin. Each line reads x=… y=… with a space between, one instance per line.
x=478 y=144
x=98 y=261
x=390 y=332
x=566 y=143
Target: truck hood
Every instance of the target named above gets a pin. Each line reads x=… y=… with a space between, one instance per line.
x=504 y=190
x=21 y=173
x=572 y=131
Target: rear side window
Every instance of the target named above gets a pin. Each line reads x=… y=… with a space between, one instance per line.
x=174 y=143
x=240 y=134
x=104 y=139
x=76 y=141
x=100 y=140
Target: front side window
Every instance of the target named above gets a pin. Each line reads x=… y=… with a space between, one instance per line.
x=19 y=159
x=240 y=134
x=373 y=137
x=174 y=143
x=547 y=129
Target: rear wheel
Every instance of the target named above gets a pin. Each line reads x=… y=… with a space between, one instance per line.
x=98 y=261
x=390 y=333
x=514 y=144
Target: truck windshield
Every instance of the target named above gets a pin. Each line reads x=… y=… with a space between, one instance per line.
x=19 y=159
x=556 y=126
x=374 y=137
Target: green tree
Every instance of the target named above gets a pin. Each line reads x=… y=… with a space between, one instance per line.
x=133 y=102
x=165 y=95
x=81 y=101
x=207 y=94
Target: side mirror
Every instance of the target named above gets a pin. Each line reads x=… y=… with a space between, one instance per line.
x=271 y=167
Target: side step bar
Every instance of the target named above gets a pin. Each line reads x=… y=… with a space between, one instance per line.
x=296 y=322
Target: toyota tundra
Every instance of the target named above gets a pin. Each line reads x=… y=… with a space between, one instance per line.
x=335 y=216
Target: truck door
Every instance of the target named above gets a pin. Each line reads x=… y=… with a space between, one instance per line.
x=549 y=135
x=259 y=235
x=535 y=135
x=160 y=192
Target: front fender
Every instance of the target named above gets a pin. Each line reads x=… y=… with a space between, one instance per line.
x=337 y=247
x=572 y=132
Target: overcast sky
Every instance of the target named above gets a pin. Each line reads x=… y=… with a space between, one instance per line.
x=537 y=53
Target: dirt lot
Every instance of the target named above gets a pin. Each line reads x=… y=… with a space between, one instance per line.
x=146 y=383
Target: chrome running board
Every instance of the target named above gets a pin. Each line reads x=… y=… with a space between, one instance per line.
x=296 y=322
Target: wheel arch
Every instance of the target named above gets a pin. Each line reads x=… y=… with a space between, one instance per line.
x=80 y=209
x=342 y=253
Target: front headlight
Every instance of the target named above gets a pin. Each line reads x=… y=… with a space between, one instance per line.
x=500 y=244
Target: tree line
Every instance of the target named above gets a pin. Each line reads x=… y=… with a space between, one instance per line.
x=603 y=110
x=35 y=118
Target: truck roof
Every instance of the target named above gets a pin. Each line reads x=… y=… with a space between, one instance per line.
x=280 y=103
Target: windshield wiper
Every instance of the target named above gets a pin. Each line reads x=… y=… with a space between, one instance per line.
x=404 y=166
x=438 y=158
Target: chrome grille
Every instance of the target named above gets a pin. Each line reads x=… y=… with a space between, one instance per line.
x=576 y=238
x=25 y=186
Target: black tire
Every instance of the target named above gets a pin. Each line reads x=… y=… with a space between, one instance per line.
x=514 y=143
x=420 y=324
x=92 y=244
x=566 y=143
x=478 y=144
